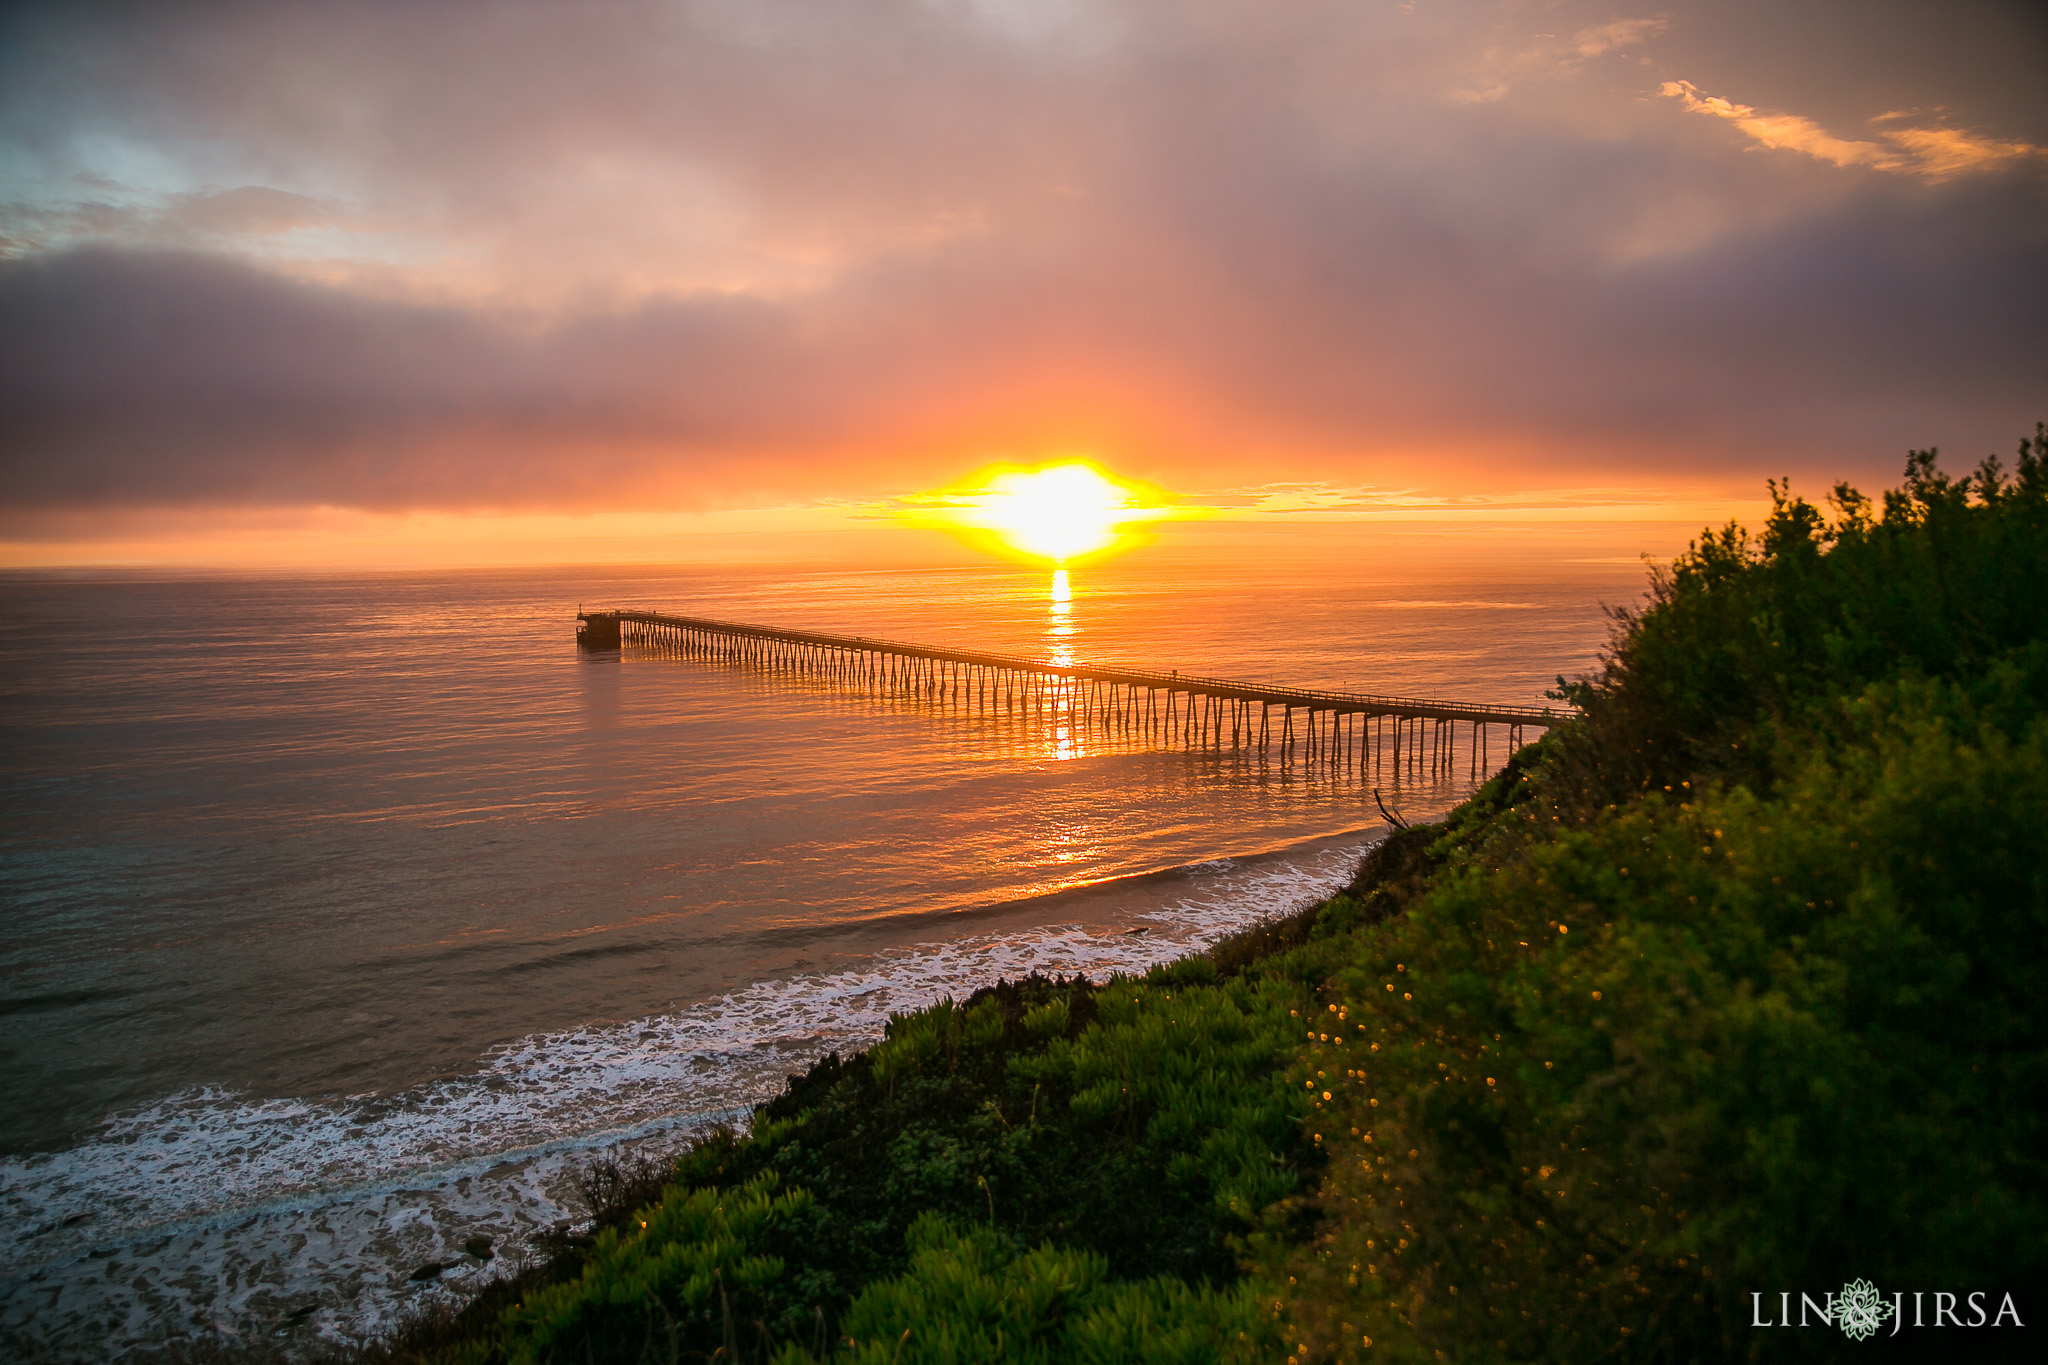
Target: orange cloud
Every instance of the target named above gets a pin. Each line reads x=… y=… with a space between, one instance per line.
x=1943 y=152
x=1932 y=153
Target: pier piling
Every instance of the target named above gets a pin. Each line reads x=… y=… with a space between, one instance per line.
x=1400 y=737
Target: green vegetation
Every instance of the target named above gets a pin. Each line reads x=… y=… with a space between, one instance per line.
x=1735 y=985
x=1052 y=1162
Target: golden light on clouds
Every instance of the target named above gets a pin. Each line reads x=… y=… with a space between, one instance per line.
x=1060 y=512
x=1933 y=153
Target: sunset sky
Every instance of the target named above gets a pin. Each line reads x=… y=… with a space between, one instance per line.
x=421 y=282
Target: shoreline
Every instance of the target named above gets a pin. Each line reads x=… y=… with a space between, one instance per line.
x=337 y=1253
x=1099 y=904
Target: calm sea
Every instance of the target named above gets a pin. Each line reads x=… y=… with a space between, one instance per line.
x=348 y=916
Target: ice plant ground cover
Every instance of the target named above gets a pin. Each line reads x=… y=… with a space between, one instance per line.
x=1733 y=983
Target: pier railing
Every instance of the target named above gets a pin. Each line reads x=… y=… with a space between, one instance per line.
x=1200 y=711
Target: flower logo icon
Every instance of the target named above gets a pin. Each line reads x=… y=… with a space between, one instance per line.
x=1860 y=1310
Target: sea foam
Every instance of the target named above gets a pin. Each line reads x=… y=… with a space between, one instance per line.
x=210 y=1213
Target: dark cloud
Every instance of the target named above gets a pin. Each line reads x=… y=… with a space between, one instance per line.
x=461 y=257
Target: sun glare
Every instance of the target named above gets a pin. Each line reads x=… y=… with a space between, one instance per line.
x=1057 y=513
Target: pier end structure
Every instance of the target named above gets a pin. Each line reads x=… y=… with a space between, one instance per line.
x=597 y=630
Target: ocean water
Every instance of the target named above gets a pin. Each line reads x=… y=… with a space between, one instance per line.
x=348 y=917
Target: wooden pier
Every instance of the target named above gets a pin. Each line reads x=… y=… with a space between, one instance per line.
x=1408 y=735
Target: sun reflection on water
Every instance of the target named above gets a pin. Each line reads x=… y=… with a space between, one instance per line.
x=1059 y=626
x=1059 y=633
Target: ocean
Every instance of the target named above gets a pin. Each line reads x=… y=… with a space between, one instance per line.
x=350 y=916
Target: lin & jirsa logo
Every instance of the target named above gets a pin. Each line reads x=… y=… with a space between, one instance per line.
x=1861 y=1311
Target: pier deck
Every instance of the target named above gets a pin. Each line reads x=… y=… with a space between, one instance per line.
x=1217 y=713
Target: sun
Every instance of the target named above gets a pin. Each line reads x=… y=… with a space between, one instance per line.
x=1058 y=513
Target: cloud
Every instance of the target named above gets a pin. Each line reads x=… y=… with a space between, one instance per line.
x=1932 y=153
x=1519 y=57
x=713 y=253
x=1939 y=153
x=1785 y=132
x=1618 y=35
x=254 y=209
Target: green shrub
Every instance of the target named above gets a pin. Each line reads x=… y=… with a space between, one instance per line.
x=1770 y=1014
x=970 y=1296
x=1744 y=637
x=689 y=1268
x=1136 y=1131
x=1701 y=1048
